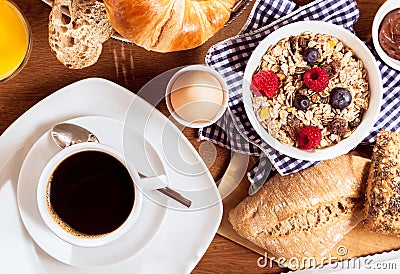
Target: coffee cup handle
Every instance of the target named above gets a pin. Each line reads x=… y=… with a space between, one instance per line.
x=153 y=183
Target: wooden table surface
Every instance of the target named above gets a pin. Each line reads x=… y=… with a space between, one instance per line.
x=131 y=67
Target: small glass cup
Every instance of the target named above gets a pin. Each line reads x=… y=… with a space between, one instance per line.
x=15 y=40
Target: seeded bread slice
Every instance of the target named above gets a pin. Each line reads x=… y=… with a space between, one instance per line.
x=77 y=39
x=382 y=207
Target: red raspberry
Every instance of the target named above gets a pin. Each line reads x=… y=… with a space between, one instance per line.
x=265 y=83
x=309 y=137
x=316 y=79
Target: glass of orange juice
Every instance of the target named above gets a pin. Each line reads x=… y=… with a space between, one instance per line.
x=15 y=40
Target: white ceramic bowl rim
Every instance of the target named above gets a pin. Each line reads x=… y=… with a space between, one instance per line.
x=387 y=7
x=56 y=229
x=197 y=68
x=361 y=51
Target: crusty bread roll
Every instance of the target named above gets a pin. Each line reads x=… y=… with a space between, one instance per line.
x=307 y=213
x=168 y=25
x=382 y=207
x=77 y=39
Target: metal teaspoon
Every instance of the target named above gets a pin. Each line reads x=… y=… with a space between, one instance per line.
x=66 y=134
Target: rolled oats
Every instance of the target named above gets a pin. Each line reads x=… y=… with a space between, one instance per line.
x=282 y=120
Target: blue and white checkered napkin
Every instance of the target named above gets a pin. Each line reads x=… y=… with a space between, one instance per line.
x=229 y=58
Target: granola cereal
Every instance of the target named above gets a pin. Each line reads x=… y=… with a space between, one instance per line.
x=280 y=116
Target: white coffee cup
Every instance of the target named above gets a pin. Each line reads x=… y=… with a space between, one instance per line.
x=63 y=231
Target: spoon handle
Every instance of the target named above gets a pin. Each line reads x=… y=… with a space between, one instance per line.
x=238 y=5
x=175 y=195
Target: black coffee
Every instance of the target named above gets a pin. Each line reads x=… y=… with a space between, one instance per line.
x=91 y=192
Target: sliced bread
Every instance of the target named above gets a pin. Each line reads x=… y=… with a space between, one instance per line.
x=77 y=29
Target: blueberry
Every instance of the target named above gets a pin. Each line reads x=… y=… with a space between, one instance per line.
x=340 y=98
x=301 y=102
x=311 y=55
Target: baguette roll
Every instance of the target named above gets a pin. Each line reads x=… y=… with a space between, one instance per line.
x=307 y=213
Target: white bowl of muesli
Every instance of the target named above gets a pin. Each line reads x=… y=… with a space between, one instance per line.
x=312 y=90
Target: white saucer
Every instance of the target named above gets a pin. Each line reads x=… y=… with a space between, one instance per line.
x=184 y=237
x=109 y=132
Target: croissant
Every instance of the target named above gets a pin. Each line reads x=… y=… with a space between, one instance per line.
x=168 y=25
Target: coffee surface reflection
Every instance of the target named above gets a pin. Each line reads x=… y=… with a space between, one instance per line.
x=90 y=193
